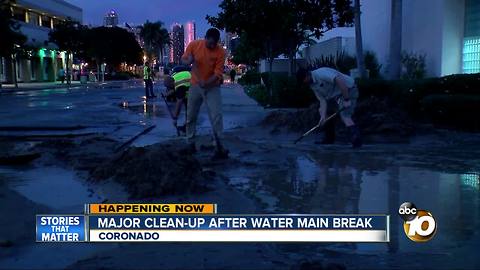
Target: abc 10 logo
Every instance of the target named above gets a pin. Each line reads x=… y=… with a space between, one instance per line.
x=419 y=225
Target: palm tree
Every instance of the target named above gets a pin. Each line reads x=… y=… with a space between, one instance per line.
x=155 y=38
x=395 y=40
x=359 y=42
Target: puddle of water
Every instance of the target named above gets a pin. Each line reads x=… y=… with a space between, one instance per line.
x=54 y=187
x=332 y=184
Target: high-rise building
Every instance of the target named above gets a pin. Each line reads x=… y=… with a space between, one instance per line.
x=190 y=32
x=110 y=19
x=177 y=48
x=230 y=41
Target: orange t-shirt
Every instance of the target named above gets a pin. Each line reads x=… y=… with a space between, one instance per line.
x=206 y=62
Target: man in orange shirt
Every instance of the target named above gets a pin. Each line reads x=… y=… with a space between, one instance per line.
x=207 y=58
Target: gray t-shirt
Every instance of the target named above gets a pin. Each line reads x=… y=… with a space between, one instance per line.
x=324 y=82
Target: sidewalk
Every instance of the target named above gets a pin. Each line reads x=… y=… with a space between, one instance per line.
x=51 y=85
x=234 y=97
x=37 y=85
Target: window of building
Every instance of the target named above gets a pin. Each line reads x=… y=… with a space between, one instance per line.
x=56 y=22
x=46 y=21
x=471 y=55
x=33 y=68
x=19 y=14
x=33 y=18
x=471 y=42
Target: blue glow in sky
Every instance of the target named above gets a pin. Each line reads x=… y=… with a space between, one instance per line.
x=138 y=11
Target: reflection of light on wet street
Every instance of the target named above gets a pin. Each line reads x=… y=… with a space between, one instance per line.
x=51 y=186
x=471 y=180
x=329 y=182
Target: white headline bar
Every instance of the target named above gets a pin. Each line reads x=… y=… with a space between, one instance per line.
x=239 y=236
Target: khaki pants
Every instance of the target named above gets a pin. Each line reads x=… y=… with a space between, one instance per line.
x=213 y=101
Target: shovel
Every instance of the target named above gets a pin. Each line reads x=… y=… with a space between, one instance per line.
x=319 y=125
x=170 y=112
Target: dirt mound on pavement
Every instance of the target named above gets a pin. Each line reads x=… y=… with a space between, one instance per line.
x=377 y=116
x=297 y=121
x=151 y=171
x=373 y=115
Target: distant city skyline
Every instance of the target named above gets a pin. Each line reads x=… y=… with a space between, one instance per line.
x=139 y=11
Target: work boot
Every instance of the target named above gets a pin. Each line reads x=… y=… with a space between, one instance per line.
x=220 y=154
x=355 y=136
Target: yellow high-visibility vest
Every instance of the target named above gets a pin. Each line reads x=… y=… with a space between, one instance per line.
x=182 y=78
x=146 y=74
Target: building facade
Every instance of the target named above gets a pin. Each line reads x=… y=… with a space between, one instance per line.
x=445 y=31
x=329 y=47
x=190 y=32
x=177 y=46
x=42 y=60
x=230 y=42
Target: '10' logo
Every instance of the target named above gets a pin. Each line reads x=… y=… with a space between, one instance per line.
x=419 y=225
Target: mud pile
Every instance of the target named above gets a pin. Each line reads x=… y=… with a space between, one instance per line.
x=378 y=117
x=152 y=171
x=373 y=115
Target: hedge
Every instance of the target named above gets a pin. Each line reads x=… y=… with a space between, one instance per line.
x=445 y=101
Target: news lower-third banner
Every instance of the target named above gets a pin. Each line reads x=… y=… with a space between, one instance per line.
x=170 y=225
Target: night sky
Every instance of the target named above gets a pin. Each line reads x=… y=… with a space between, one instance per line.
x=138 y=11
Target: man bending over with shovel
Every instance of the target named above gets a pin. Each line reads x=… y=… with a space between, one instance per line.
x=178 y=85
x=207 y=58
x=331 y=85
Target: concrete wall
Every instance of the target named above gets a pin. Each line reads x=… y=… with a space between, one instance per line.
x=431 y=27
x=422 y=33
x=453 y=33
x=375 y=18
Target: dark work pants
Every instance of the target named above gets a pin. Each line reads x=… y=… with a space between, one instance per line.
x=329 y=127
x=148 y=88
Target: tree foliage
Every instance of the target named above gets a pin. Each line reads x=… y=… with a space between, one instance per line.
x=68 y=36
x=281 y=26
x=11 y=40
x=9 y=34
x=112 y=45
x=245 y=53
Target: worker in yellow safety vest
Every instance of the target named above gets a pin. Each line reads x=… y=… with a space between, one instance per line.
x=148 y=79
x=178 y=85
